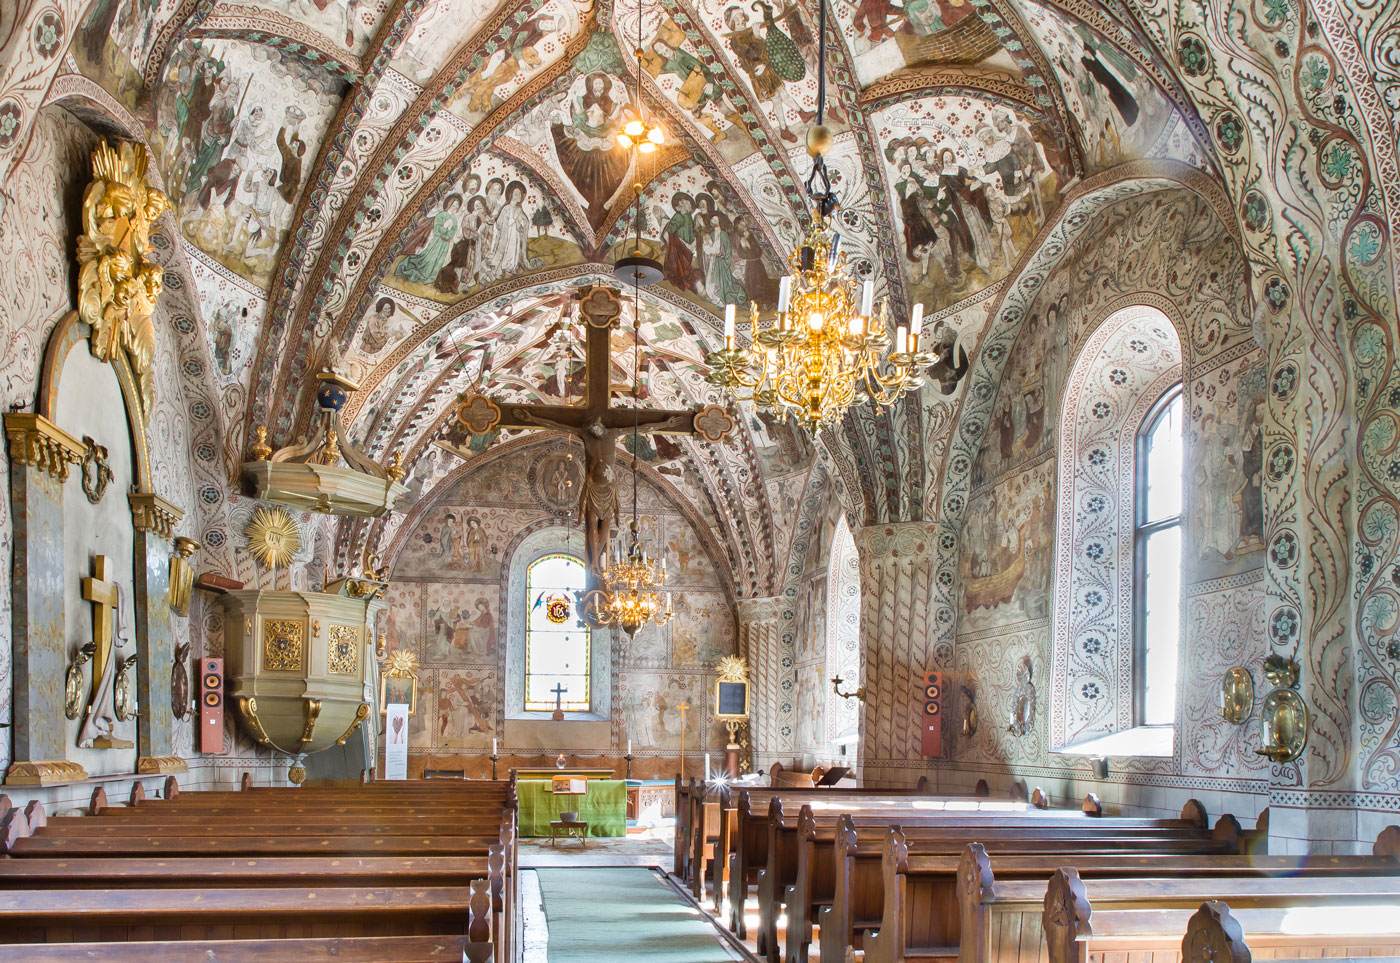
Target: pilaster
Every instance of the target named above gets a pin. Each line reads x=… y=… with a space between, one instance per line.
x=154 y=520
x=771 y=705
x=897 y=565
x=41 y=455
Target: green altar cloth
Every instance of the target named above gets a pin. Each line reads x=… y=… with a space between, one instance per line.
x=604 y=807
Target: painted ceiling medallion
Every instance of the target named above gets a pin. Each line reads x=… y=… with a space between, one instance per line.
x=273 y=537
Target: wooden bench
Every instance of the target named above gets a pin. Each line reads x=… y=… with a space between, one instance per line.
x=1311 y=917
x=741 y=850
x=801 y=870
x=371 y=949
x=858 y=889
x=1003 y=918
x=430 y=872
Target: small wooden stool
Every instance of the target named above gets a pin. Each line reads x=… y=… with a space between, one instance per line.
x=577 y=829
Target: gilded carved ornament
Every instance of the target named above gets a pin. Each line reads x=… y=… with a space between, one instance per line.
x=117 y=286
x=39 y=443
x=151 y=513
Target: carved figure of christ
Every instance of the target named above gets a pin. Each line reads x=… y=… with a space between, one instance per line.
x=597 y=423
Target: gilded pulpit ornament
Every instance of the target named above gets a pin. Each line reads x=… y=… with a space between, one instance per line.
x=117 y=286
x=110 y=698
x=273 y=537
x=97 y=474
x=399 y=683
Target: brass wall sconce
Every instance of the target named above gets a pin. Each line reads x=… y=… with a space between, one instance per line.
x=858 y=695
x=1236 y=695
x=1283 y=725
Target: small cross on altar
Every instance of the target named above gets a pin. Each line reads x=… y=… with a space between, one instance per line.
x=597 y=423
x=559 y=690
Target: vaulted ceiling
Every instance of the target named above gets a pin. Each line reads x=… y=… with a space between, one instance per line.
x=410 y=189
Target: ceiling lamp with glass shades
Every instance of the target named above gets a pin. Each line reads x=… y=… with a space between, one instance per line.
x=828 y=347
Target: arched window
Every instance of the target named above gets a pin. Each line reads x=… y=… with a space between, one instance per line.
x=1157 y=563
x=558 y=655
x=1116 y=610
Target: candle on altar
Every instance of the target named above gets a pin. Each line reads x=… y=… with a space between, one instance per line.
x=493 y=747
x=629 y=747
x=707 y=765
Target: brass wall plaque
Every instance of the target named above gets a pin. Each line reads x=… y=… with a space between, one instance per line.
x=1237 y=695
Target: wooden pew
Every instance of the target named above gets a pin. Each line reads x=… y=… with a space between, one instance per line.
x=1002 y=916
x=801 y=873
x=371 y=949
x=1309 y=917
x=1214 y=935
x=336 y=864
x=741 y=850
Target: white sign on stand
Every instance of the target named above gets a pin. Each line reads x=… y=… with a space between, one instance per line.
x=395 y=741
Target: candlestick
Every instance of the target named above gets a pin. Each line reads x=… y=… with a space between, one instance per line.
x=916 y=321
x=493 y=747
x=901 y=340
x=629 y=747
x=867 y=298
x=728 y=321
x=784 y=293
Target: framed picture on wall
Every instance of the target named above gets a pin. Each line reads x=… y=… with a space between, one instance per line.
x=398 y=686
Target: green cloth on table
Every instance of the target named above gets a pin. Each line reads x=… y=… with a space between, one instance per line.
x=604 y=807
x=602 y=915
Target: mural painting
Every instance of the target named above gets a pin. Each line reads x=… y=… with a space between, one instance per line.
x=973 y=183
x=460 y=623
x=1225 y=435
x=465 y=709
x=236 y=128
x=1010 y=541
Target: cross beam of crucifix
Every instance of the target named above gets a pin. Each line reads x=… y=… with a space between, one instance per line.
x=597 y=423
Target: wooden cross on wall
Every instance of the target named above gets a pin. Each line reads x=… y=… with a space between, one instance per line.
x=103 y=596
x=597 y=423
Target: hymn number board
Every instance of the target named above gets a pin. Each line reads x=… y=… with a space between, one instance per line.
x=732 y=690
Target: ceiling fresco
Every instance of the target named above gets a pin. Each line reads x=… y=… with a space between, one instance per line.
x=410 y=191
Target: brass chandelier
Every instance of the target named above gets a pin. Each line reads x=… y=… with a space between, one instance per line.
x=826 y=351
x=632 y=584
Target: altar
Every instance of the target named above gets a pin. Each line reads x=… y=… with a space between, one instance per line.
x=603 y=805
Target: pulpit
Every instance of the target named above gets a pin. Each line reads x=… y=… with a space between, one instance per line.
x=297 y=665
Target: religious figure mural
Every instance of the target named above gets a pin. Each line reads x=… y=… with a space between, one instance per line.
x=971 y=193
x=465 y=713
x=461 y=624
x=583 y=132
x=885 y=35
x=495 y=224
x=1227 y=524
x=1010 y=541
x=234 y=132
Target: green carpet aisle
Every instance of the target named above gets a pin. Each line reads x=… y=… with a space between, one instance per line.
x=596 y=914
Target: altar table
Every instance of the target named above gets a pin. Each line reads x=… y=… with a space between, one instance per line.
x=603 y=807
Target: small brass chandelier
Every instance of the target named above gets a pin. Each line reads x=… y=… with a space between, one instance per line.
x=825 y=351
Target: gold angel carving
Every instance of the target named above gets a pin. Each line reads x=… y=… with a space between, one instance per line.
x=117 y=286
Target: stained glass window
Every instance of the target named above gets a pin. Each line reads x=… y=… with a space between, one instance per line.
x=557 y=653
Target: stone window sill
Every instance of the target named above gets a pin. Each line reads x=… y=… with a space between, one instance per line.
x=1150 y=741
x=569 y=716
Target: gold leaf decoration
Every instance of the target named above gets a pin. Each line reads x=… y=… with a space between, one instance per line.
x=273 y=537
x=117 y=286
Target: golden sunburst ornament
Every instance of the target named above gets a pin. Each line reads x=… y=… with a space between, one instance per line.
x=273 y=537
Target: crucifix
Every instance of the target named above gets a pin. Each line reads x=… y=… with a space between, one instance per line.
x=597 y=423
x=106 y=599
x=683 y=707
x=559 y=690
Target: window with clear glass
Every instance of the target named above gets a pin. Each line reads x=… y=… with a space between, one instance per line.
x=1157 y=554
x=557 y=653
